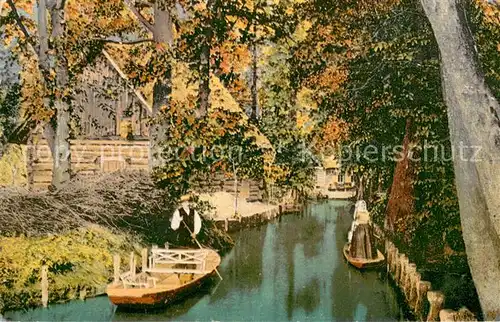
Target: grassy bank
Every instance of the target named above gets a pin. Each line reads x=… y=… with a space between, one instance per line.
x=76 y=232
x=80 y=263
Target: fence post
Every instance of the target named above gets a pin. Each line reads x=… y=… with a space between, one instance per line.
x=422 y=289
x=132 y=264
x=45 y=286
x=411 y=269
x=395 y=257
x=415 y=279
x=144 y=256
x=116 y=268
x=436 y=300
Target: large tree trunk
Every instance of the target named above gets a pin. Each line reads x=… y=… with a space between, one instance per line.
x=162 y=35
x=62 y=161
x=401 y=202
x=474 y=124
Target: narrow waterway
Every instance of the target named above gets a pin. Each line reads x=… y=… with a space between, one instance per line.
x=288 y=270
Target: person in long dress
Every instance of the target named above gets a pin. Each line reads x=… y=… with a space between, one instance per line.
x=362 y=239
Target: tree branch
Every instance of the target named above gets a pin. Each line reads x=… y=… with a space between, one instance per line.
x=20 y=23
x=139 y=15
x=122 y=42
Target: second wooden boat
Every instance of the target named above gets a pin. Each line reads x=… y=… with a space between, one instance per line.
x=362 y=263
x=171 y=275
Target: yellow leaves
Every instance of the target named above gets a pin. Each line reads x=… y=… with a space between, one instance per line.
x=267 y=51
x=302 y=29
x=13 y=166
x=305 y=99
x=235 y=57
x=200 y=6
x=381 y=46
x=498 y=47
x=25 y=5
x=490 y=11
x=249 y=4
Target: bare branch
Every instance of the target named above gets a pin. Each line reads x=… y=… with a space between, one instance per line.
x=139 y=15
x=123 y=42
x=20 y=23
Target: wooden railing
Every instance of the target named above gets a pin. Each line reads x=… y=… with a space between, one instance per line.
x=177 y=257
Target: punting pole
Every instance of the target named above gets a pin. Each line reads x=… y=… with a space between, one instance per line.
x=199 y=245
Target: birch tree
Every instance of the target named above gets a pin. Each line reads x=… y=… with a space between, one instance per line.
x=474 y=127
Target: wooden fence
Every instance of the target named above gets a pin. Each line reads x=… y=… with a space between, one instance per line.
x=427 y=304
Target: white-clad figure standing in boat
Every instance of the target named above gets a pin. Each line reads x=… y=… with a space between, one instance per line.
x=360 y=237
x=177 y=218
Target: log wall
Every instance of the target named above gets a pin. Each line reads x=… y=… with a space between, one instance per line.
x=91 y=157
x=88 y=157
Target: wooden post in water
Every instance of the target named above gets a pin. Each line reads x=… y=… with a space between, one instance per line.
x=394 y=264
x=45 y=286
x=414 y=290
x=389 y=249
x=436 y=300
x=116 y=269
x=132 y=264
x=404 y=270
x=144 y=257
x=422 y=289
x=397 y=272
x=411 y=270
x=461 y=315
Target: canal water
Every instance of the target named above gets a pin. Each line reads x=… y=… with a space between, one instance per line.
x=292 y=269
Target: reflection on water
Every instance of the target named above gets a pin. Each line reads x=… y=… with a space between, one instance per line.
x=289 y=270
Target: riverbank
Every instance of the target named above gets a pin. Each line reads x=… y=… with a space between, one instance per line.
x=76 y=231
x=230 y=214
x=291 y=270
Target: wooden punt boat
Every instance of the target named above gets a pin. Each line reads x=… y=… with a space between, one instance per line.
x=361 y=263
x=171 y=275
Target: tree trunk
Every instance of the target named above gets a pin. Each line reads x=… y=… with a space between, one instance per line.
x=204 y=87
x=62 y=153
x=401 y=202
x=253 y=88
x=474 y=124
x=44 y=64
x=162 y=35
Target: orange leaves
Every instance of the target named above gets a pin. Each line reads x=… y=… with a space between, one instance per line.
x=234 y=57
x=333 y=132
x=490 y=11
x=330 y=79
